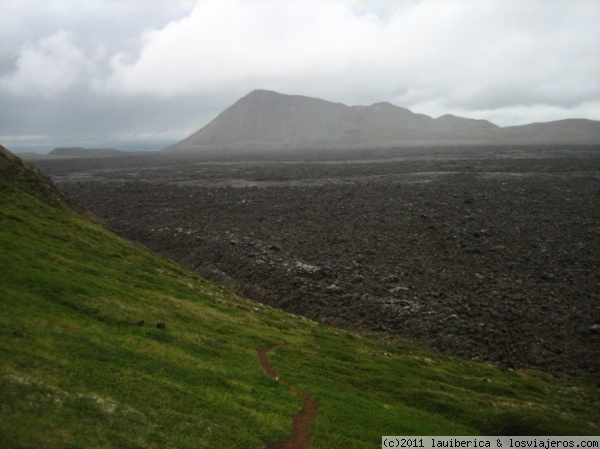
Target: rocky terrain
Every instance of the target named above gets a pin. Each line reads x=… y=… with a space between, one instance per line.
x=488 y=253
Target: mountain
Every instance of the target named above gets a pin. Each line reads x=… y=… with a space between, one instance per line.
x=104 y=344
x=86 y=152
x=266 y=119
x=561 y=131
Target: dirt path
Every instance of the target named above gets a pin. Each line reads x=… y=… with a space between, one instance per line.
x=301 y=423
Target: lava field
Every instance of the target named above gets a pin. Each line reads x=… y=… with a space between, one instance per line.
x=487 y=253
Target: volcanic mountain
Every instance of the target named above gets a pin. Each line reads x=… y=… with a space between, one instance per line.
x=266 y=119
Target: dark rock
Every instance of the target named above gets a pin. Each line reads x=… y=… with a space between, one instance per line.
x=516 y=253
x=594 y=329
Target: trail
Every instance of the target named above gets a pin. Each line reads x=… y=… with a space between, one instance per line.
x=301 y=423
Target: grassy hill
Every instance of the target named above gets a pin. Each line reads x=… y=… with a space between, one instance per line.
x=83 y=364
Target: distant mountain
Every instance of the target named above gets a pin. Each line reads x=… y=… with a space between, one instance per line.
x=561 y=131
x=86 y=152
x=266 y=119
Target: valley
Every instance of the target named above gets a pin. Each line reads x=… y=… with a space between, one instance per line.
x=487 y=253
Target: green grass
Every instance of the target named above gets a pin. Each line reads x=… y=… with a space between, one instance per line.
x=76 y=370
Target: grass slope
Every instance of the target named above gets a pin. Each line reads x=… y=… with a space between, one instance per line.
x=77 y=370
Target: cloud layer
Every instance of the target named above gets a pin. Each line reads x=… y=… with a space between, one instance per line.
x=48 y=68
x=182 y=62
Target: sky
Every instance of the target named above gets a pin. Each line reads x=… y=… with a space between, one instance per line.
x=148 y=73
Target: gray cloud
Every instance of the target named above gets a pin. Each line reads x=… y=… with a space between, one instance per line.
x=47 y=68
x=159 y=70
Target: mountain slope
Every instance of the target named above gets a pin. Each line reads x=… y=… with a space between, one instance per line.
x=453 y=123
x=560 y=131
x=265 y=119
x=84 y=364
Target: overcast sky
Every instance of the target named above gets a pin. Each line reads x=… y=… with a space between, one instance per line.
x=96 y=72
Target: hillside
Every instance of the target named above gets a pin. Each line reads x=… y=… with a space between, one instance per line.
x=15 y=171
x=103 y=344
x=270 y=120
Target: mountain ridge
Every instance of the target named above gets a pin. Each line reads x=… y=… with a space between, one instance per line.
x=271 y=120
x=86 y=152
